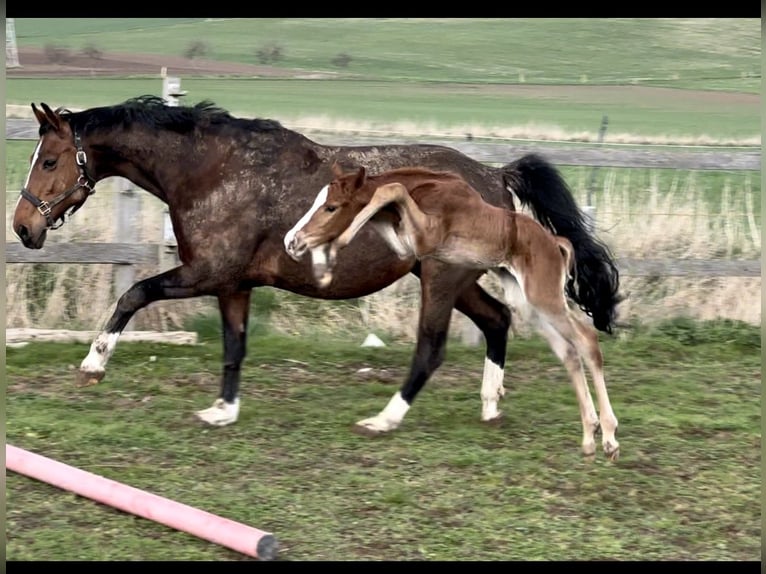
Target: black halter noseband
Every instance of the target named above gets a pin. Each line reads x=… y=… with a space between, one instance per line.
x=84 y=181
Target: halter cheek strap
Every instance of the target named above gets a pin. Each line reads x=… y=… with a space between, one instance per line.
x=83 y=182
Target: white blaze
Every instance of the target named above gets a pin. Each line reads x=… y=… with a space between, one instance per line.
x=29 y=175
x=34 y=161
x=318 y=202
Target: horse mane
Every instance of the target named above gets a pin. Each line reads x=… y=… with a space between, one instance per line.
x=153 y=113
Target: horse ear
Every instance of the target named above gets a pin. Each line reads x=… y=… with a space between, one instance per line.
x=52 y=117
x=361 y=177
x=39 y=115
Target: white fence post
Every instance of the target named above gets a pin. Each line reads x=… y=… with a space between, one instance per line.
x=128 y=206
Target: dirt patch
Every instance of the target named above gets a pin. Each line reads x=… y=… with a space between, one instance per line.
x=36 y=63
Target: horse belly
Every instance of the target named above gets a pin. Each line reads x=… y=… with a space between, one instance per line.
x=466 y=253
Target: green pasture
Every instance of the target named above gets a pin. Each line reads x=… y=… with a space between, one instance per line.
x=666 y=114
x=442 y=487
x=721 y=53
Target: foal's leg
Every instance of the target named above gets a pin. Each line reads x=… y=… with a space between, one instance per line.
x=178 y=283
x=586 y=340
x=439 y=287
x=323 y=257
x=494 y=320
x=413 y=218
x=561 y=336
x=235 y=312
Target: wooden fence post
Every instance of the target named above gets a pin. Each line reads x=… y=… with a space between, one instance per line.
x=128 y=206
x=589 y=209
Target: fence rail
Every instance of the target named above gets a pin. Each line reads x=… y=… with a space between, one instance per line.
x=148 y=253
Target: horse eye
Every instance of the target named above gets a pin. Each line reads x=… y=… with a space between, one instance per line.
x=330 y=208
x=49 y=163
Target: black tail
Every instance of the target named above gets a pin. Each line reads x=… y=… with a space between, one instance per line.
x=595 y=287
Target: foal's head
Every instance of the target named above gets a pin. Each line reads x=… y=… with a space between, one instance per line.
x=334 y=209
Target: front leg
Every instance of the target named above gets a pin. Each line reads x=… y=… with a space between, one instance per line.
x=178 y=283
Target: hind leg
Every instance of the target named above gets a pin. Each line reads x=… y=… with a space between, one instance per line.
x=494 y=320
x=560 y=334
x=587 y=343
x=439 y=286
x=235 y=312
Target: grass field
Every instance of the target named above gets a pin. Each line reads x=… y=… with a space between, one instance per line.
x=432 y=107
x=490 y=76
x=442 y=487
x=671 y=52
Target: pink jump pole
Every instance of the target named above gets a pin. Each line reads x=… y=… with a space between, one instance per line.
x=234 y=535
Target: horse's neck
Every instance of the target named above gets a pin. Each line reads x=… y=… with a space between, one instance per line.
x=142 y=158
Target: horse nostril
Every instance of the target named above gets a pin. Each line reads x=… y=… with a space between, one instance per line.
x=22 y=232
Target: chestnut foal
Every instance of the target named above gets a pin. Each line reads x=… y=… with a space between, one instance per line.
x=438 y=215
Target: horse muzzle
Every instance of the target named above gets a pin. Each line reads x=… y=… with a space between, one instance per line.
x=296 y=248
x=30 y=239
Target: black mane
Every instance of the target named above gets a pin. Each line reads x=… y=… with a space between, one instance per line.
x=152 y=112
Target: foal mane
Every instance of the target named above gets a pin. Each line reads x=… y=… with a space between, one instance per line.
x=152 y=112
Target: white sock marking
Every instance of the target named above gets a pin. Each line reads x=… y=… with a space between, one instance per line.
x=390 y=417
x=318 y=202
x=101 y=349
x=491 y=389
x=221 y=413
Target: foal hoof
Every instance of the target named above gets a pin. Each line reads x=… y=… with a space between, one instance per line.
x=88 y=378
x=612 y=451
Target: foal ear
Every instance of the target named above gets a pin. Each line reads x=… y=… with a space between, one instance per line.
x=361 y=177
x=337 y=170
x=51 y=116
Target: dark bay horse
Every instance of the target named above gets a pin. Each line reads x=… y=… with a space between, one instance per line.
x=235 y=186
x=437 y=215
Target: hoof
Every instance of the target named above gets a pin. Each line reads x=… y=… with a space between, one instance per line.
x=374 y=426
x=88 y=378
x=495 y=420
x=363 y=430
x=589 y=449
x=220 y=414
x=612 y=451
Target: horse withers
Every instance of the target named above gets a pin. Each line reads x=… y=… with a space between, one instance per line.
x=437 y=215
x=234 y=187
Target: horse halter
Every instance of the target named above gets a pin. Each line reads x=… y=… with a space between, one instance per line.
x=84 y=181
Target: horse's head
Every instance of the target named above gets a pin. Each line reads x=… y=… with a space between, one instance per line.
x=57 y=180
x=333 y=210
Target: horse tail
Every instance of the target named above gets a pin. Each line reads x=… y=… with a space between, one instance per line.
x=595 y=284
